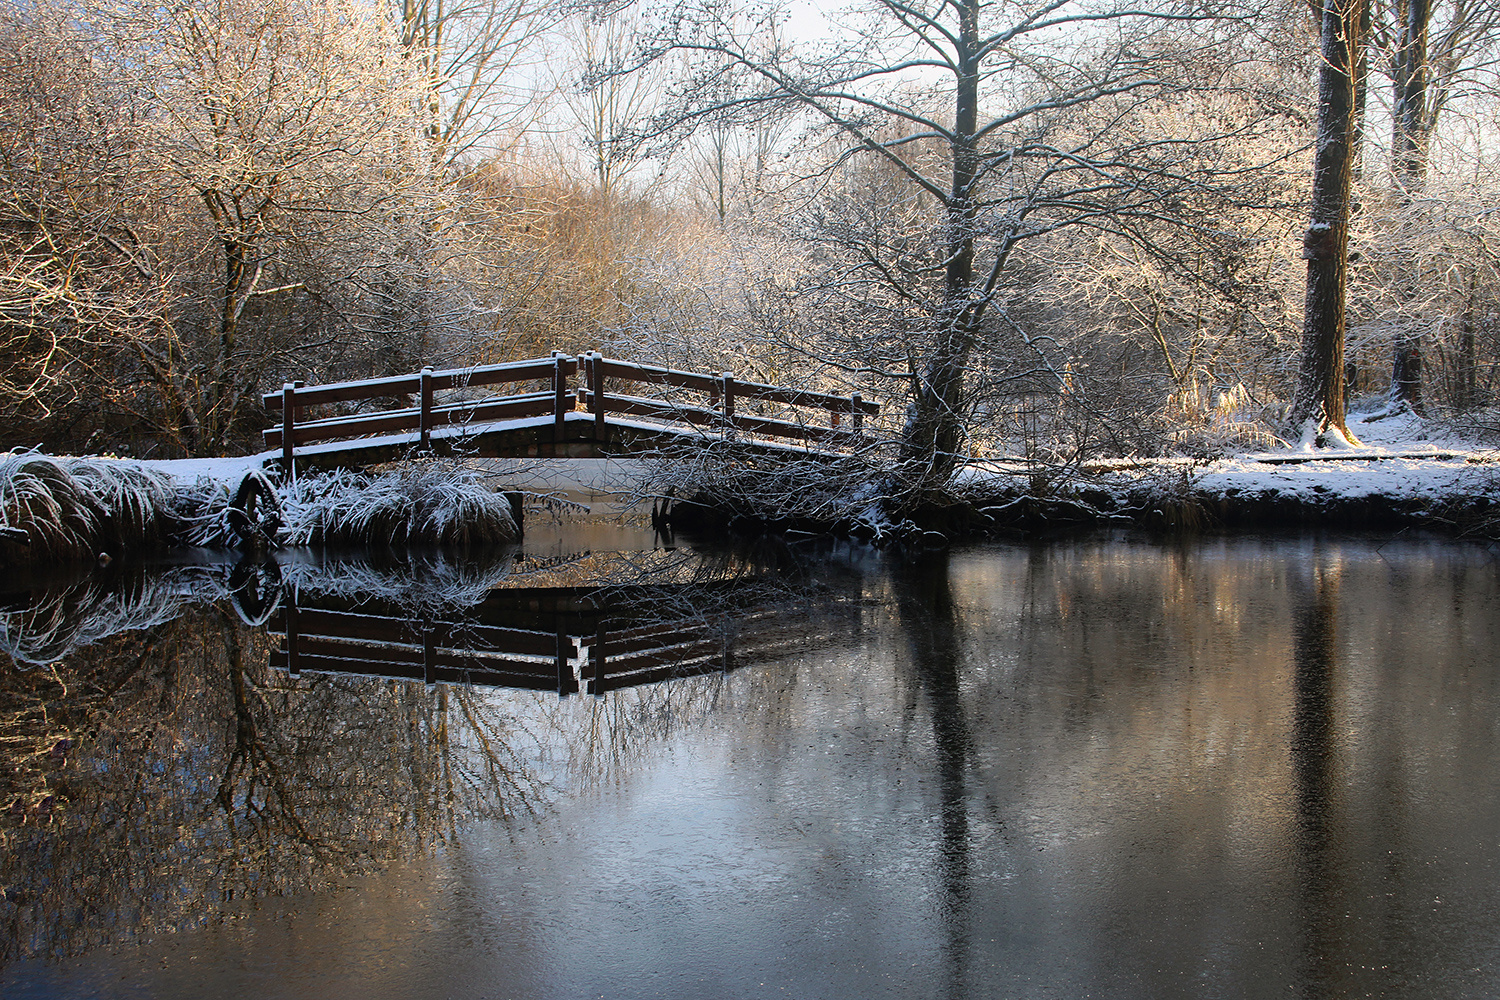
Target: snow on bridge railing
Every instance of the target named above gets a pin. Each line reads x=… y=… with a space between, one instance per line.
x=723 y=391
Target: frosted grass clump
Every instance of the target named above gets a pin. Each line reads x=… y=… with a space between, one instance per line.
x=72 y=509
x=435 y=504
x=202 y=511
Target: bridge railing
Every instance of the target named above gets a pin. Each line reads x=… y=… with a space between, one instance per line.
x=431 y=410
x=723 y=392
x=429 y=413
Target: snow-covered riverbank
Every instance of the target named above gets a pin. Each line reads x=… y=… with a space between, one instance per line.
x=1406 y=472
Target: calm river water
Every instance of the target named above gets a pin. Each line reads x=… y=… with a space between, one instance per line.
x=1106 y=768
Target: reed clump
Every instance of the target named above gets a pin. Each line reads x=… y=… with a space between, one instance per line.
x=72 y=510
x=433 y=504
x=62 y=511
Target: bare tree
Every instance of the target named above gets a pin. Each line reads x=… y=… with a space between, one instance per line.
x=605 y=103
x=475 y=59
x=730 y=164
x=1004 y=123
x=1428 y=68
x=292 y=126
x=81 y=275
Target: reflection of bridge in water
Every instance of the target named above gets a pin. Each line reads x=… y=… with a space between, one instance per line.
x=563 y=639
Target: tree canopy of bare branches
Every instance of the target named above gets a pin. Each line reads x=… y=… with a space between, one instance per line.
x=994 y=124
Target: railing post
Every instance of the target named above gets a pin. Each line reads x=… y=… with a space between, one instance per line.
x=429 y=656
x=596 y=661
x=859 y=414
x=596 y=386
x=726 y=380
x=565 y=683
x=293 y=660
x=288 y=430
x=424 y=420
x=559 y=390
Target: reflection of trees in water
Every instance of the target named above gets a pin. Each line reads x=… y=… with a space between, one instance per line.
x=1253 y=736
x=935 y=632
x=160 y=773
x=1314 y=753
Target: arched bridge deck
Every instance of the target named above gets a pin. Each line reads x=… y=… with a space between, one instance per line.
x=579 y=411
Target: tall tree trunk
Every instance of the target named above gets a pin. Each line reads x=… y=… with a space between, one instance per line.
x=1318 y=404
x=1468 y=364
x=223 y=391
x=1409 y=167
x=1409 y=110
x=934 y=429
x=1361 y=94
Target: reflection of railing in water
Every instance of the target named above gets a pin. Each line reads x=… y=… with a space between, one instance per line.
x=654 y=653
x=350 y=643
x=438 y=622
x=555 y=638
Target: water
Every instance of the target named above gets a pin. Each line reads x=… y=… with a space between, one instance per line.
x=1252 y=768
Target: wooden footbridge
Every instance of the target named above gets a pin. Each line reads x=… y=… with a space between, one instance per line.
x=555 y=407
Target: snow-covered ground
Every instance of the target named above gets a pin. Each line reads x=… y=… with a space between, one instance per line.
x=1402 y=458
x=221 y=470
x=563 y=475
x=1411 y=462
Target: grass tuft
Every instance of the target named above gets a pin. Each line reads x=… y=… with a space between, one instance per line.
x=71 y=510
x=434 y=504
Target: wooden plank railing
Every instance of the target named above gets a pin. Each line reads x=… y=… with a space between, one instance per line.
x=293 y=401
x=609 y=656
x=718 y=411
x=723 y=391
x=345 y=642
x=627 y=658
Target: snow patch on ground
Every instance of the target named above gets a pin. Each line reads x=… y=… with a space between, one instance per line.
x=1401 y=456
x=220 y=470
x=1430 y=478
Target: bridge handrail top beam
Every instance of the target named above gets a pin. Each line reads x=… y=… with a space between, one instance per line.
x=749 y=390
x=645 y=406
x=527 y=404
x=803 y=397
x=448 y=378
x=415 y=411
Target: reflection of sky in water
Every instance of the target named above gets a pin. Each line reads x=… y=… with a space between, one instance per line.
x=1255 y=768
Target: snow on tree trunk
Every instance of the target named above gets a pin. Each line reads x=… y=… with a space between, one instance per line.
x=1318 y=404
